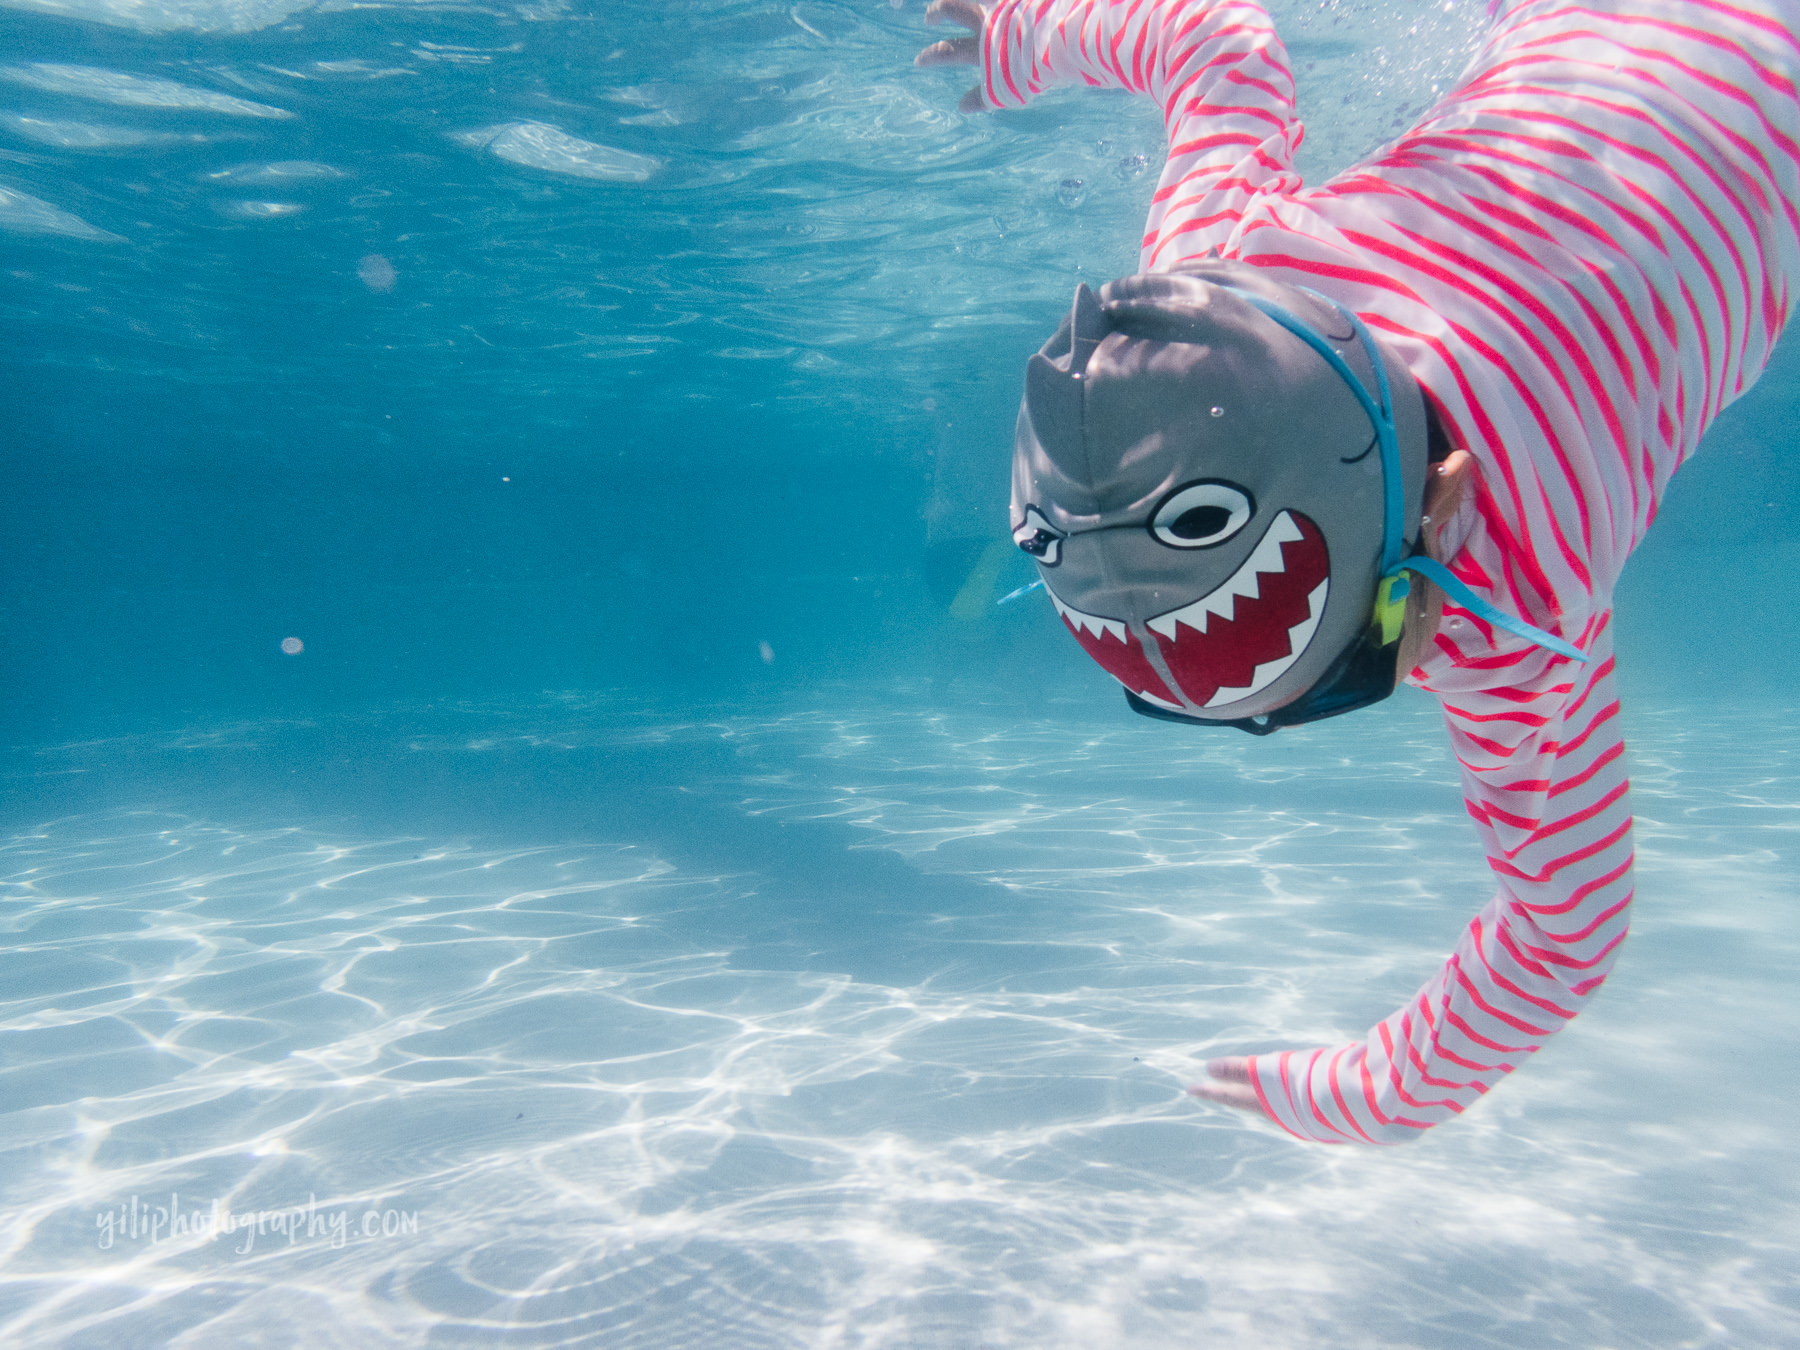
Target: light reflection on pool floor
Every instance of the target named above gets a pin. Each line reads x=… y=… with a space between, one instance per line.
x=864 y=1027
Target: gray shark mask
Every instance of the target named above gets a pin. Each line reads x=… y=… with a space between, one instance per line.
x=1203 y=488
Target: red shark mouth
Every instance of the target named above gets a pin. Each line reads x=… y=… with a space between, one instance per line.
x=1110 y=643
x=1238 y=639
x=1231 y=643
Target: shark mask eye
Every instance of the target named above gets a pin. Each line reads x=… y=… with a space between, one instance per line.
x=1039 y=538
x=1199 y=515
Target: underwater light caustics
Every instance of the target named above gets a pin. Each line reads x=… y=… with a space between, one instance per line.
x=538 y=145
x=21 y=213
x=1234 y=641
x=133 y=91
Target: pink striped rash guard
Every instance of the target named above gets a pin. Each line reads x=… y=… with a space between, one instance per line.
x=1583 y=253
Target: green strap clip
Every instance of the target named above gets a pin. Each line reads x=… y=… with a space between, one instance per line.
x=1390 y=607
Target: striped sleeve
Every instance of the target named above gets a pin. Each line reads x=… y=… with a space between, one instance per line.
x=1215 y=67
x=1544 y=779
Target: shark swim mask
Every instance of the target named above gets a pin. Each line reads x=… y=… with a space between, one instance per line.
x=1220 y=477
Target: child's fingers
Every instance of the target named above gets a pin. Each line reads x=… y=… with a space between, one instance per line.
x=1240 y=1095
x=956 y=52
x=964 y=51
x=965 y=12
x=1232 y=1068
x=1228 y=1083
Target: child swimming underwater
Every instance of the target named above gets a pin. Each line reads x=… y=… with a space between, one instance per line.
x=1409 y=423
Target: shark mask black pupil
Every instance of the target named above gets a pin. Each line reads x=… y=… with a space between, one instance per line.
x=1200 y=521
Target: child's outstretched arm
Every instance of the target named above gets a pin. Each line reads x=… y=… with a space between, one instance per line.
x=1215 y=67
x=1544 y=781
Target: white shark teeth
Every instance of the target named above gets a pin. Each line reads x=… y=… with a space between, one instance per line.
x=1092 y=623
x=1265 y=557
x=1269 y=671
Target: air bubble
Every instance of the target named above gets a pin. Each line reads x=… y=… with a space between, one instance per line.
x=1131 y=166
x=1071 y=192
x=376 y=272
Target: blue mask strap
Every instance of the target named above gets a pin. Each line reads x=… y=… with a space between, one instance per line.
x=1380 y=415
x=1453 y=586
x=1393 y=565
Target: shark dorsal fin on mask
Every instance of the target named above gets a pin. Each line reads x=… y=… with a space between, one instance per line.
x=1054 y=381
x=1087 y=327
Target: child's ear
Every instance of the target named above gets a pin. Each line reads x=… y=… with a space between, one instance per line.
x=1447 y=486
x=1449 y=489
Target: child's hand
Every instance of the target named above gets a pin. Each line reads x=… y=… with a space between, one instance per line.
x=1229 y=1084
x=963 y=51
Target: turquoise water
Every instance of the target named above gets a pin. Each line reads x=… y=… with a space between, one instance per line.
x=640 y=913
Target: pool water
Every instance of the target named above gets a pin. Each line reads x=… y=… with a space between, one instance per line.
x=510 y=838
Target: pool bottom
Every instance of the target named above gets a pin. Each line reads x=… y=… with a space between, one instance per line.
x=599 y=1024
